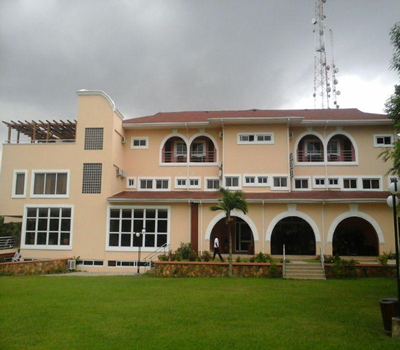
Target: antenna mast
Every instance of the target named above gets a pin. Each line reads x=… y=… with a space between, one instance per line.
x=322 y=86
x=335 y=70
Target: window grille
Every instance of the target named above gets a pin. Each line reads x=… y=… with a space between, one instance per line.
x=93 y=138
x=92 y=178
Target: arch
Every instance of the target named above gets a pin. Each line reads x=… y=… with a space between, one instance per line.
x=286 y=214
x=361 y=215
x=309 y=133
x=166 y=138
x=203 y=134
x=238 y=214
x=344 y=133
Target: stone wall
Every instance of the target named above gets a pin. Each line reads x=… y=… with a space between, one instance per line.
x=213 y=269
x=360 y=270
x=36 y=267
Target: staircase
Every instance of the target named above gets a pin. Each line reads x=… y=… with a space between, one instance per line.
x=300 y=270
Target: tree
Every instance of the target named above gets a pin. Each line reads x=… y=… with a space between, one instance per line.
x=228 y=202
x=9 y=229
x=392 y=105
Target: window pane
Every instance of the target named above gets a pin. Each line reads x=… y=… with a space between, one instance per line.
x=114 y=213
x=150 y=213
x=162 y=213
x=61 y=183
x=20 y=184
x=375 y=183
x=38 y=187
x=66 y=212
x=126 y=240
x=54 y=212
x=138 y=241
x=126 y=213
x=162 y=226
x=54 y=224
x=161 y=239
x=53 y=238
x=138 y=225
x=65 y=238
x=30 y=238
x=114 y=240
x=42 y=226
x=283 y=181
x=150 y=226
x=138 y=213
x=50 y=184
x=126 y=226
x=43 y=212
x=41 y=238
x=114 y=225
x=31 y=224
x=32 y=212
x=65 y=225
x=112 y=263
x=149 y=240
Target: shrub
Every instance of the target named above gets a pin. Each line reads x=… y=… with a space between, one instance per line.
x=328 y=259
x=273 y=271
x=171 y=256
x=178 y=256
x=184 y=250
x=206 y=256
x=342 y=268
x=262 y=258
x=193 y=255
x=238 y=259
x=252 y=259
x=163 y=257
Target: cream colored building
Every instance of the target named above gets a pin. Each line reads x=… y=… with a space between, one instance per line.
x=312 y=179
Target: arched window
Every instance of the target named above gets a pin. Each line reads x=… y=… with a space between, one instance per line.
x=202 y=150
x=310 y=149
x=174 y=150
x=340 y=149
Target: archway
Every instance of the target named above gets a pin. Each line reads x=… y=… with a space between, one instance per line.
x=340 y=149
x=174 y=150
x=242 y=236
x=355 y=236
x=202 y=150
x=296 y=234
x=310 y=149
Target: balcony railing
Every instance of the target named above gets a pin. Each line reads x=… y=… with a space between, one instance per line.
x=306 y=156
x=202 y=157
x=195 y=157
x=8 y=242
x=343 y=156
x=37 y=142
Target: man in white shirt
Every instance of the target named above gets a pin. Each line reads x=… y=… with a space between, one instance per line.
x=216 y=249
x=17 y=256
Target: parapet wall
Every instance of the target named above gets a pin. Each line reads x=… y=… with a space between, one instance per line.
x=36 y=267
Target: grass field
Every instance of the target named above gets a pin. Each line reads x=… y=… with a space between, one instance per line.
x=123 y=312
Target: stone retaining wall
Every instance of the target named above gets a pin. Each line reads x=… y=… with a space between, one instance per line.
x=36 y=267
x=213 y=269
x=360 y=270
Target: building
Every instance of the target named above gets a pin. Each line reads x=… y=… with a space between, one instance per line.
x=312 y=179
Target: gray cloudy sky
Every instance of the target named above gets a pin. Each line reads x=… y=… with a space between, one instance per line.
x=170 y=55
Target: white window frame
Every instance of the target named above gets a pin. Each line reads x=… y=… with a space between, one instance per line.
x=254 y=184
x=280 y=188
x=46 y=247
x=131 y=179
x=233 y=187
x=338 y=149
x=187 y=182
x=47 y=171
x=262 y=184
x=139 y=139
x=256 y=180
x=350 y=178
x=14 y=185
x=214 y=179
x=82 y=262
x=154 y=189
x=379 y=178
x=315 y=178
x=203 y=154
x=308 y=178
x=313 y=152
x=255 y=142
x=135 y=249
x=176 y=154
x=378 y=145
x=338 y=185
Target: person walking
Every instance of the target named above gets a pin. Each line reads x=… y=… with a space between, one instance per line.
x=216 y=249
x=17 y=256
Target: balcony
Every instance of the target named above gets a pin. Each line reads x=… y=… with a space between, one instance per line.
x=342 y=156
x=173 y=157
x=307 y=156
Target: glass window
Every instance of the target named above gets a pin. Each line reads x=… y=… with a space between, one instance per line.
x=301 y=183
x=19 y=184
x=350 y=183
x=212 y=184
x=180 y=148
x=232 y=181
x=280 y=181
x=263 y=180
x=50 y=183
x=92 y=178
x=93 y=138
x=371 y=183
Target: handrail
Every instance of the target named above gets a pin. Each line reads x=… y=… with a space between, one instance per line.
x=38 y=142
x=158 y=250
x=322 y=260
x=284 y=262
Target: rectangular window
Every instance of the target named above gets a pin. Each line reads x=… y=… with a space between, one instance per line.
x=232 y=181
x=301 y=184
x=319 y=182
x=131 y=182
x=180 y=183
x=350 y=184
x=255 y=138
x=280 y=182
x=19 y=184
x=90 y=262
x=50 y=183
x=153 y=184
x=198 y=149
x=139 y=142
x=93 y=138
x=371 y=184
x=146 y=184
x=212 y=184
x=250 y=180
x=125 y=222
x=162 y=184
x=333 y=183
x=91 y=178
x=194 y=183
x=262 y=180
x=48 y=228
x=383 y=140
x=180 y=149
x=333 y=148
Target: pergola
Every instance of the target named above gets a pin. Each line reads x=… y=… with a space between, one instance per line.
x=55 y=131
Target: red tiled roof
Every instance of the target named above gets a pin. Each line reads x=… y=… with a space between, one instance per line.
x=201 y=195
x=307 y=114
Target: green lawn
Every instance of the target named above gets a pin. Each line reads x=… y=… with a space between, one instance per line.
x=124 y=312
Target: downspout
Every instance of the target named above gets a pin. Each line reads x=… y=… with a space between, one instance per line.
x=188 y=158
x=223 y=152
x=323 y=229
x=263 y=229
x=288 y=154
x=201 y=227
x=326 y=158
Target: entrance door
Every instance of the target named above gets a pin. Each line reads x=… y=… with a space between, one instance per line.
x=243 y=237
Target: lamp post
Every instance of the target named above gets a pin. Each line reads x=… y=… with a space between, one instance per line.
x=393 y=201
x=140 y=245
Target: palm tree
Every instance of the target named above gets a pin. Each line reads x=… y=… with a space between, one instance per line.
x=228 y=202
